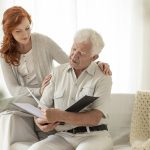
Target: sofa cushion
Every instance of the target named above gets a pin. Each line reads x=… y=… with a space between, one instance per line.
x=120 y=110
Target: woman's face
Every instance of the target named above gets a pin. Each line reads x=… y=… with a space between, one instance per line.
x=22 y=32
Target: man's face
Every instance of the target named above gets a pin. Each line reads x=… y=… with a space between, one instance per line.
x=80 y=56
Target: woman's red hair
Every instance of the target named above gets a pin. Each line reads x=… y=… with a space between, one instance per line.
x=12 y=17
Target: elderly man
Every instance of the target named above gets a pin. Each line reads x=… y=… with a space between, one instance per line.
x=87 y=129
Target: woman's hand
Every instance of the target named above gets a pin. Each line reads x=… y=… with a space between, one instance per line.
x=105 y=68
x=45 y=82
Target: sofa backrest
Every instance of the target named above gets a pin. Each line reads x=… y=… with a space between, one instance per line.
x=120 y=111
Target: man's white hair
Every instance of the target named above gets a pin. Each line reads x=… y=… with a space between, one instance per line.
x=95 y=38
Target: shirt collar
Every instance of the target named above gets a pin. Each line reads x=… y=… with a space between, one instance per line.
x=90 y=69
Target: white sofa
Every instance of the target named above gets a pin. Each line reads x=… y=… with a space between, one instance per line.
x=120 y=109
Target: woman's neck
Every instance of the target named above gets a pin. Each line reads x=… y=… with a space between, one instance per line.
x=23 y=49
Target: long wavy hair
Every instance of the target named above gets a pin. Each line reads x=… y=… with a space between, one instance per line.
x=12 y=17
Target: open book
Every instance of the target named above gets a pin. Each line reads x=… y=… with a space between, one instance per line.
x=76 y=107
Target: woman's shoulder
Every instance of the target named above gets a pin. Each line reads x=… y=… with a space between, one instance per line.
x=36 y=35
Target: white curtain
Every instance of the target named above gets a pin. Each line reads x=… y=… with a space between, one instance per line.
x=124 y=25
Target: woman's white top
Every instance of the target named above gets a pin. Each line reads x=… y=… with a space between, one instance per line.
x=44 y=51
x=27 y=71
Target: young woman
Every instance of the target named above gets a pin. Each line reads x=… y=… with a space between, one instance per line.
x=27 y=57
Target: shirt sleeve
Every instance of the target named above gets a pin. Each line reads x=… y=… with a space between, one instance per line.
x=56 y=52
x=48 y=94
x=12 y=83
x=103 y=91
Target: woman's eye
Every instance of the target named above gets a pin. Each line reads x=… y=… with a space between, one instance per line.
x=18 y=31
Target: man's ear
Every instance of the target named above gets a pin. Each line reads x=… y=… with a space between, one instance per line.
x=95 y=57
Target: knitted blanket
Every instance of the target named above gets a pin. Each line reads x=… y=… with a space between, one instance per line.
x=140 y=123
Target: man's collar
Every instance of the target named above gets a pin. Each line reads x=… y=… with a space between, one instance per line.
x=90 y=69
x=69 y=67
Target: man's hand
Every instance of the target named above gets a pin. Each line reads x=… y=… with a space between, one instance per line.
x=105 y=68
x=52 y=115
x=45 y=82
x=44 y=125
